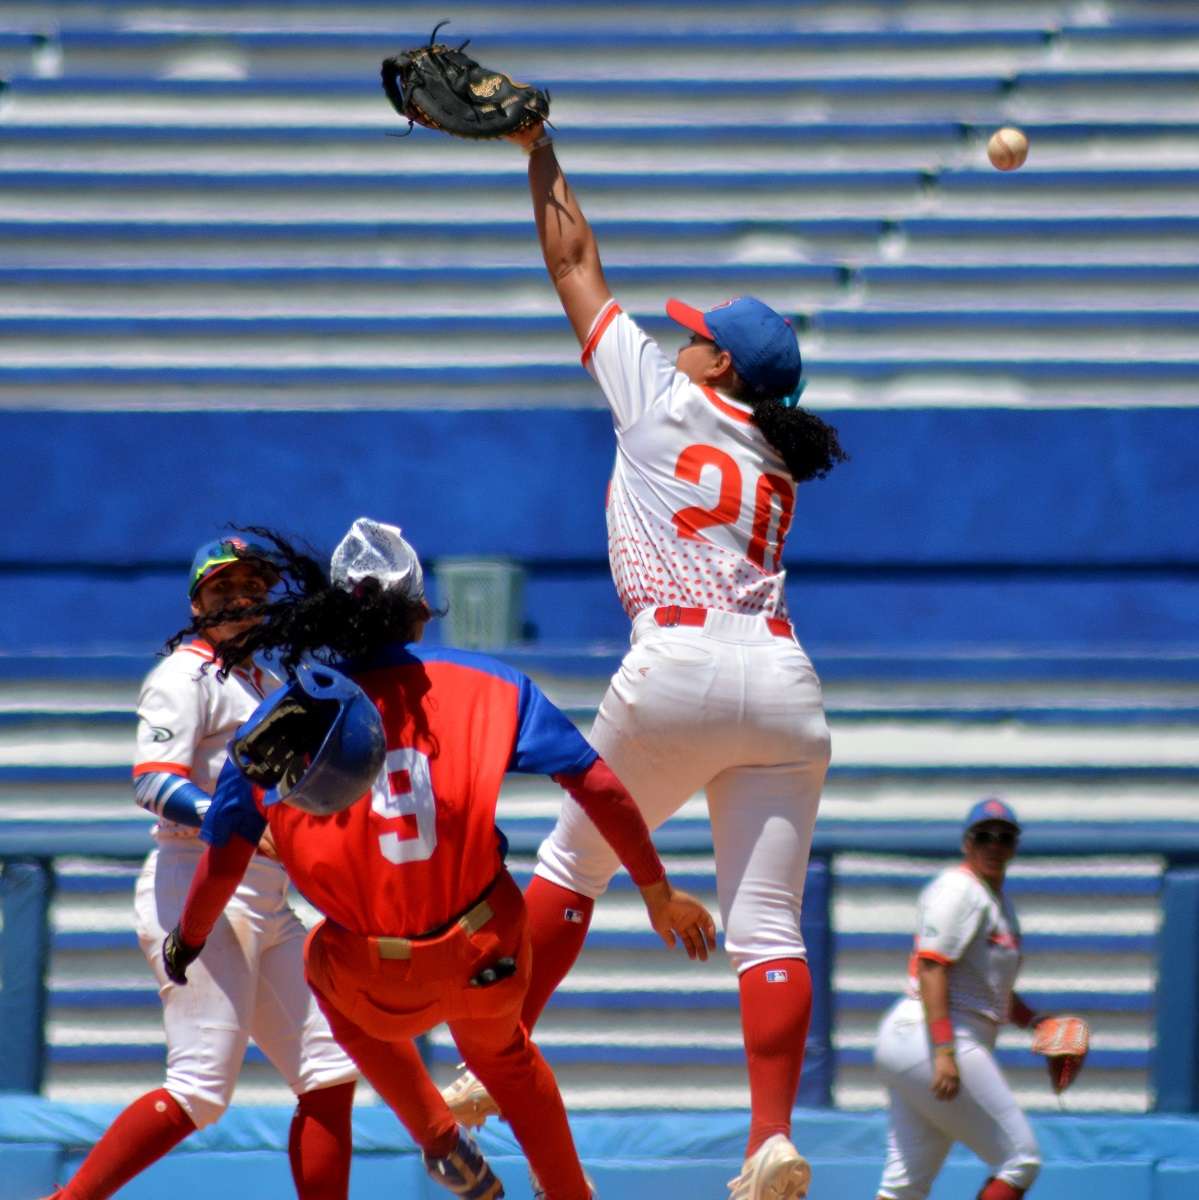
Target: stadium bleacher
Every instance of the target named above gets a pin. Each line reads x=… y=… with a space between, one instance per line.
x=220 y=276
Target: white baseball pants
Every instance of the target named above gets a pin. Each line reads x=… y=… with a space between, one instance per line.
x=984 y=1116
x=248 y=982
x=731 y=709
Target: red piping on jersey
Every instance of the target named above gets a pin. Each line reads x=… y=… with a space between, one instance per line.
x=933 y=956
x=202 y=649
x=606 y=317
x=168 y=768
x=725 y=407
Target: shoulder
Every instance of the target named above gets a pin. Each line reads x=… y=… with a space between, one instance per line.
x=954 y=886
x=185 y=664
x=466 y=661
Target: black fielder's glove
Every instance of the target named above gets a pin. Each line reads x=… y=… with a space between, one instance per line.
x=441 y=88
x=177 y=956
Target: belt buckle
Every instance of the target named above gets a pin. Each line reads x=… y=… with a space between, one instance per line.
x=672 y=615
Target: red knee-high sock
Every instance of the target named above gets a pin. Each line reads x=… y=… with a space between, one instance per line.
x=320 y=1144
x=997 y=1189
x=558 y=923
x=142 y=1134
x=776 y=1006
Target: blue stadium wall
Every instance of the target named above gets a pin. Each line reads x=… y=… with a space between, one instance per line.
x=949 y=527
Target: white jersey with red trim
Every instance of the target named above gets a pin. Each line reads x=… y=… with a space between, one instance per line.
x=186 y=715
x=699 y=503
x=964 y=924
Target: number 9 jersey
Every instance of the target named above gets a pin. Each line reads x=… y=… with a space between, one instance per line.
x=425 y=845
x=699 y=503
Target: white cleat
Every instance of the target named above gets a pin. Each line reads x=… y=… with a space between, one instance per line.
x=469 y=1101
x=776 y=1171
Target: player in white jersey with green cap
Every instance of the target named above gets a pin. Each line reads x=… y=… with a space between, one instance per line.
x=715 y=694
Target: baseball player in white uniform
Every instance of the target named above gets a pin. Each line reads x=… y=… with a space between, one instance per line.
x=715 y=694
x=936 y=1045
x=251 y=981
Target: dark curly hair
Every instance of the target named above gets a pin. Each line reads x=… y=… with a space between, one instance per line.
x=808 y=445
x=311 y=616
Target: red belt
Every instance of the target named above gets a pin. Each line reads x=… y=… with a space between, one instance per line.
x=674 y=614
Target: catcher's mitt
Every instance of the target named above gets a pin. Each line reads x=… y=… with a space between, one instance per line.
x=1064 y=1041
x=441 y=88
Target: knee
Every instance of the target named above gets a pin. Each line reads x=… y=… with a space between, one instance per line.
x=204 y=1106
x=1019 y=1172
x=572 y=869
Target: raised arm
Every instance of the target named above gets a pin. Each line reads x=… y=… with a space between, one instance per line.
x=568 y=244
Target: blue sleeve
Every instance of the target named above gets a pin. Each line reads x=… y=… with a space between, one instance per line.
x=232 y=810
x=172 y=797
x=547 y=743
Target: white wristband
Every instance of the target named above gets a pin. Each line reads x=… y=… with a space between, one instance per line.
x=543 y=140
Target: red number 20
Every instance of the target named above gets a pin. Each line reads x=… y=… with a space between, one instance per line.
x=769 y=488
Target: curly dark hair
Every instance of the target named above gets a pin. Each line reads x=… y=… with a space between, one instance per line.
x=808 y=445
x=311 y=616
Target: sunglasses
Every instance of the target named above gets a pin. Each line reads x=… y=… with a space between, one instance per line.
x=1006 y=838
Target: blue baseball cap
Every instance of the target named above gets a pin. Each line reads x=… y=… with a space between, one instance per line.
x=760 y=341
x=223 y=552
x=990 y=809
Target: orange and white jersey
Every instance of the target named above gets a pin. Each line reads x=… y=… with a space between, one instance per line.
x=700 y=503
x=965 y=925
x=186 y=715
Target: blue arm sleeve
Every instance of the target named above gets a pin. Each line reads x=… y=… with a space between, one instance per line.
x=547 y=743
x=232 y=810
x=172 y=797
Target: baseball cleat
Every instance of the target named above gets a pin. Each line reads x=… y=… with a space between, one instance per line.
x=776 y=1171
x=464 y=1171
x=469 y=1101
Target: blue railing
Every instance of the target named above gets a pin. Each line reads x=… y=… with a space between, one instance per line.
x=27 y=885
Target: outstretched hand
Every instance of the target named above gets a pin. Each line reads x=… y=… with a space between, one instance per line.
x=679 y=918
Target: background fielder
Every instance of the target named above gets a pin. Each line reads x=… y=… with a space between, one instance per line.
x=936 y=1046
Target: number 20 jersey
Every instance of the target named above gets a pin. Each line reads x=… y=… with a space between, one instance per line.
x=699 y=503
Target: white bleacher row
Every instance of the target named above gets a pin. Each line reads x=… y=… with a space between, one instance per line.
x=1158 y=96
x=705 y=49
x=380 y=15
x=766 y=148
x=917 y=241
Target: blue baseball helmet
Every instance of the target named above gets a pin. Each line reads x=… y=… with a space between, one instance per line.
x=318 y=741
x=991 y=808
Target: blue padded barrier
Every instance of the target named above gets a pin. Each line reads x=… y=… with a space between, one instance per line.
x=635 y=1156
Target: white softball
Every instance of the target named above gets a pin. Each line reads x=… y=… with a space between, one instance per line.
x=1007 y=148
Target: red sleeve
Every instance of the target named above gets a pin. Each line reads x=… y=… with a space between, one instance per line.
x=219 y=872
x=615 y=814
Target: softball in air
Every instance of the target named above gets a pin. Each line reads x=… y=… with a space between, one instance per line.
x=1007 y=148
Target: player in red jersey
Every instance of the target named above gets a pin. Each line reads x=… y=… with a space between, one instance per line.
x=423 y=922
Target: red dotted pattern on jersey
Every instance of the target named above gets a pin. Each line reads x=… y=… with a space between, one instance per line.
x=652 y=565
